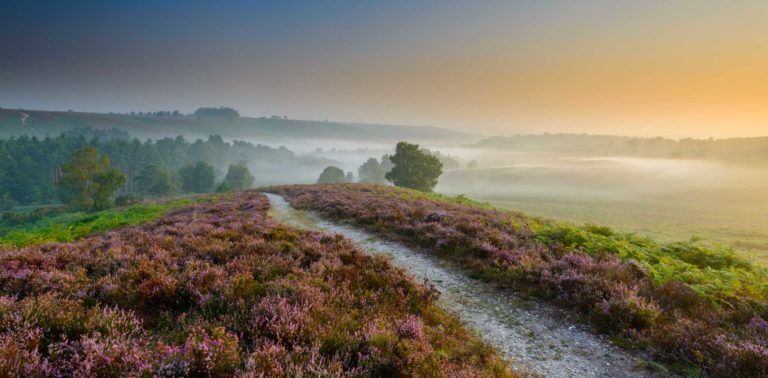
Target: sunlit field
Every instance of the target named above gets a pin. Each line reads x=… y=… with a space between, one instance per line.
x=723 y=202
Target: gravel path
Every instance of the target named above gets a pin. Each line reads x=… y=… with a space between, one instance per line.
x=535 y=337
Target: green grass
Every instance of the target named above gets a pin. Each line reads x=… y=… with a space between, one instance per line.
x=742 y=227
x=717 y=271
x=72 y=226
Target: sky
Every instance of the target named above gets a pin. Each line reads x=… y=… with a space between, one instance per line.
x=645 y=68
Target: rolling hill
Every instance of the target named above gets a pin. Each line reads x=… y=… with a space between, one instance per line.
x=15 y=122
x=219 y=289
x=687 y=303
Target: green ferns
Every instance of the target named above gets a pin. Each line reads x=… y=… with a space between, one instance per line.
x=715 y=272
x=72 y=226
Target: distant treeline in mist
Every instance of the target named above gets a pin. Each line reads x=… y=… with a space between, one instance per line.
x=609 y=145
x=30 y=167
x=224 y=121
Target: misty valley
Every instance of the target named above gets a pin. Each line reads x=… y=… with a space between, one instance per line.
x=608 y=226
x=436 y=189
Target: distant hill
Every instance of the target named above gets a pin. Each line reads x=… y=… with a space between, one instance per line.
x=15 y=122
x=612 y=145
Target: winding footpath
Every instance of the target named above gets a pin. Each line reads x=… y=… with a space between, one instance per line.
x=534 y=337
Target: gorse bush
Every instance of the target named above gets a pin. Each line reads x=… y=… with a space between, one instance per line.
x=218 y=289
x=692 y=303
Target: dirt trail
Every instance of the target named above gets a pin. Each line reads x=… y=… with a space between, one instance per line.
x=535 y=337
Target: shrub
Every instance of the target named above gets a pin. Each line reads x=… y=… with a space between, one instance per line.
x=331 y=175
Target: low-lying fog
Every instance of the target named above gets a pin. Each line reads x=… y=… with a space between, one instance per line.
x=722 y=201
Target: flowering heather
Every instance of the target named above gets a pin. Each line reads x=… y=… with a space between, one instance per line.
x=697 y=305
x=218 y=289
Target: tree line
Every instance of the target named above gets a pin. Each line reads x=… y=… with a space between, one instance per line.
x=34 y=170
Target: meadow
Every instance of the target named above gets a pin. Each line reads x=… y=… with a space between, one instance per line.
x=219 y=289
x=666 y=199
x=690 y=303
x=665 y=219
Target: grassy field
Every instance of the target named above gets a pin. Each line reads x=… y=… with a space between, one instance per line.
x=663 y=221
x=666 y=199
x=72 y=226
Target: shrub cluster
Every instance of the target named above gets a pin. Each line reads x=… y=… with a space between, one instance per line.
x=693 y=304
x=218 y=289
x=16 y=218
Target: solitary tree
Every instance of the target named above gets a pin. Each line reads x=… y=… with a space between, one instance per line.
x=88 y=181
x=197 y=178
x=372 y=172
x=158 y=181
x=104 y=185
x=413 y=168
x=238 y=176
x=331 y=175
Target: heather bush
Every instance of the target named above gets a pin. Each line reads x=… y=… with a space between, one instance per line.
x=692 y=303
x=219 y=289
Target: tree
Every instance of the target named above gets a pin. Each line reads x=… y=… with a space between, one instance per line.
x=372 y=172
x=88 y=181
x=222 y=188
x=104 y=185
x=158 y=181
x=30 y=167
x=238 y=176
x=449 y=162
x=413 y=168
x=331 y=175
x=350 y=177
x=197 y=178
x=221 y=111
x=386 y=164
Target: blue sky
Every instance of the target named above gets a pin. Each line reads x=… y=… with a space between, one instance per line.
x=639 y=68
